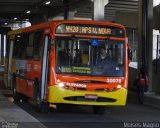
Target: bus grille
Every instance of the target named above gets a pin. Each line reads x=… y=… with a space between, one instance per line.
x=82 y=98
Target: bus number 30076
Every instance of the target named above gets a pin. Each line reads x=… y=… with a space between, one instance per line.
x=113 y=80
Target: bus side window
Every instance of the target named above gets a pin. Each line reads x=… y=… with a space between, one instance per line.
x=37 y=45
x=16 y=46
x=20 y=45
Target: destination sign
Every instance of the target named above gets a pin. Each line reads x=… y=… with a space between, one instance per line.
x=89 y=30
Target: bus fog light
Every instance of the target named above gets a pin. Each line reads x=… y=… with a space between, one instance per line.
x=113 y=89
x=119 y=86
x=58 y=81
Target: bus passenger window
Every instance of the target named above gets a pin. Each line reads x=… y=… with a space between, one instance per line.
x=20 y=45
x=29 y=50
x=24 y=40
x=16 y=46
x=37 y=45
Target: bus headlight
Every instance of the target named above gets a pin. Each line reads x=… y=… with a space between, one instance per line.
x=119 y=86
x=61 y=85
x=58 y=81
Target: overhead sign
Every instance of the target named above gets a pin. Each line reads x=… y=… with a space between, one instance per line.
x=89 y=30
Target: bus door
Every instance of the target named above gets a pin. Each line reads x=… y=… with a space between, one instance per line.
x=45 y=68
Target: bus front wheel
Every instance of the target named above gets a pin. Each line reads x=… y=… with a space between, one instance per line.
x=99 y=109
x=43 y=107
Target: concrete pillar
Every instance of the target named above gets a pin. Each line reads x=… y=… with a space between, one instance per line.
x=131 y=17
x=2 y=49
x=0 y=45
x=71 y=15
x=67 y=13
x=66 y=9
x=150 y=42
x=3 y=33
x=145 y=30
x=98 y=9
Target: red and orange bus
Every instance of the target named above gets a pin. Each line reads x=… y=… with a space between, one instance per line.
x=58 y=62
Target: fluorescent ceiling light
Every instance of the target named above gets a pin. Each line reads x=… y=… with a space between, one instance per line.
x=15 y=18
x=5 y=23
x=48 y=2
x=28 y=12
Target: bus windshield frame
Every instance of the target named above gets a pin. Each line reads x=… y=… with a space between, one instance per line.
x=81 y=56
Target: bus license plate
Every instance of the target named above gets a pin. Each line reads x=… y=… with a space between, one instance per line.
x=91 y=96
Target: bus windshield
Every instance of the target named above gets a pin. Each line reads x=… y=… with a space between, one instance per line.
x=95 y=57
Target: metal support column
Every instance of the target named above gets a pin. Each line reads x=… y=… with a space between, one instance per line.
x=67 y=13
x=98 y=9
x=66 y=9
x=145 y=44
x=0 y=46
x=2 y=50
x=10 y=77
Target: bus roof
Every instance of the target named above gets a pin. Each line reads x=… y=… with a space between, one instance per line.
x=52 y=24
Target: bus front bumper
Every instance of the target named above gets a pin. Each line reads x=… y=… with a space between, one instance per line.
x=65 y=96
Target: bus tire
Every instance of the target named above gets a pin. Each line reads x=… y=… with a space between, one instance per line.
x=16 y=95
x=36 y=89
x=59 y=107
x=43 y=107
x=99 y=109
x=24 y=98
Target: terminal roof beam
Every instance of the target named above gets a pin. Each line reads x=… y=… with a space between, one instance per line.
x=82 y=8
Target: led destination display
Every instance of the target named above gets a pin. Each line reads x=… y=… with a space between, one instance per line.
x=89 y=30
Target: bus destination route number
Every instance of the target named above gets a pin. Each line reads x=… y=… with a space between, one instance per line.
x=87 y=30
